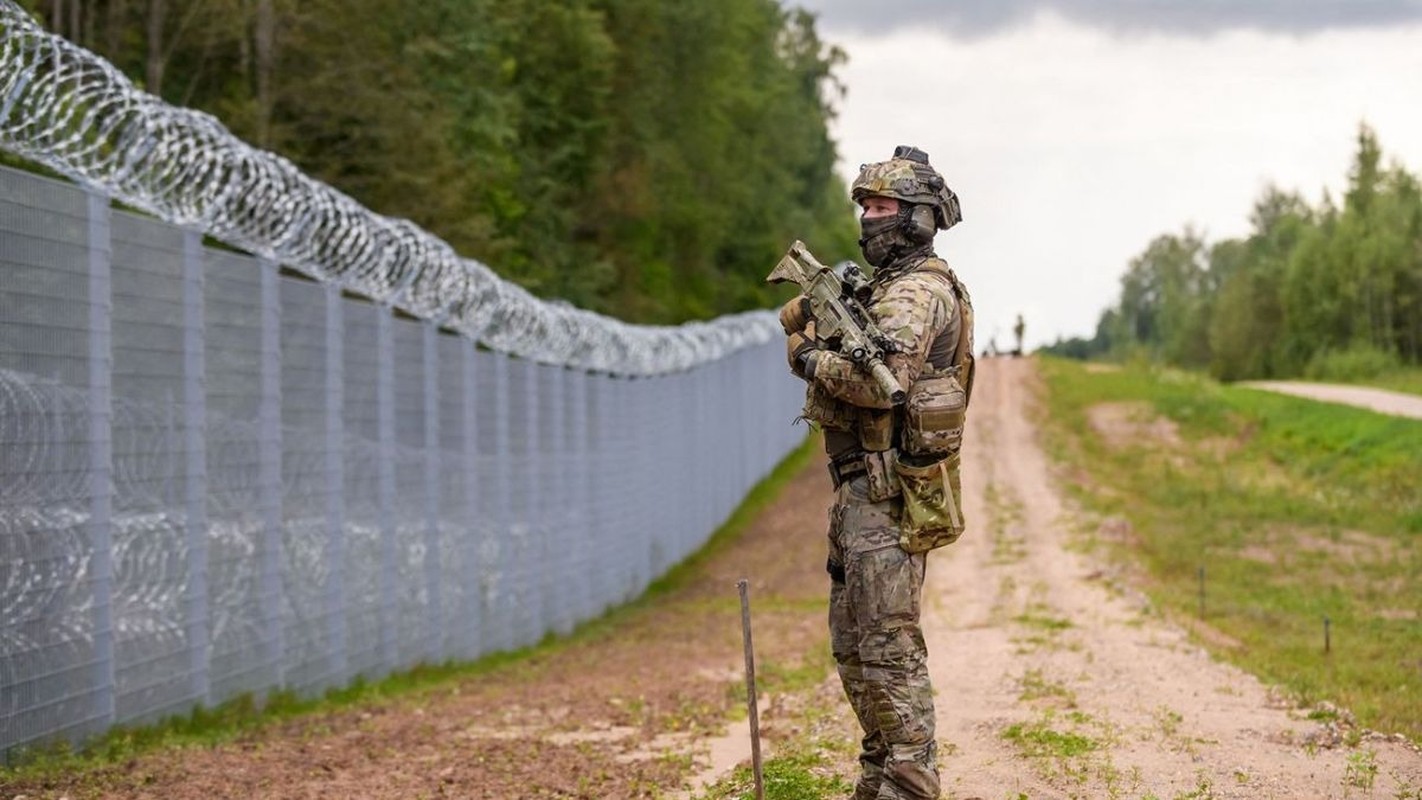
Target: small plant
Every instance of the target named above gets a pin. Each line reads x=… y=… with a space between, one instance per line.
x=1361 y=771
x=1036 y=686
x=1204 y=790
x=1041 y=741
x=1043 y=622
x=1168 y=720
x=789 y=777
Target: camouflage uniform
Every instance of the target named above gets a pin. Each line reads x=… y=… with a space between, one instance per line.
x=876 y=585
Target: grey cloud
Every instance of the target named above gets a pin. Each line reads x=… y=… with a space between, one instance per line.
x=971 y=19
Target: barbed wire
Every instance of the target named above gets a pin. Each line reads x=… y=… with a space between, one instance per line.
x=46 y=554
x=69 y=109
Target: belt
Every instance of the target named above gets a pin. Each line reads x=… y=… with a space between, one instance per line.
x=847 y=467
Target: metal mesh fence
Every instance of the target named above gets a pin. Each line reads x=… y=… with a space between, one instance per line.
x=216 y=478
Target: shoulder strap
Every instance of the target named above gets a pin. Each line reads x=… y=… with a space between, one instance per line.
x=963 y=351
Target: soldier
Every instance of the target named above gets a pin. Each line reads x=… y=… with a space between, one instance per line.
x=892 y=466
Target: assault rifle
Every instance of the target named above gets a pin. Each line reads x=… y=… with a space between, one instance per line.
x=842 y=324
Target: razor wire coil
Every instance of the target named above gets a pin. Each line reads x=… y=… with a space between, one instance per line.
x=72 y=111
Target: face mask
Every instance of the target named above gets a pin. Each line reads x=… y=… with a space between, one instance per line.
x=878 y=237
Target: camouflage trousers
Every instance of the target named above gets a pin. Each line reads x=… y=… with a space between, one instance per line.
x=878 y=645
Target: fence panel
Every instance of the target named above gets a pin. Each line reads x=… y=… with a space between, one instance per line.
x=56 y=667
x=218 y=479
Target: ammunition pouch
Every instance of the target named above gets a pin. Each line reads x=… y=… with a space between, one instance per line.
x=876 y=429
x=883 y=482
x=934 y=415
x=878 y=468
x=825 y=410
x=846 y=468
x=932 y=510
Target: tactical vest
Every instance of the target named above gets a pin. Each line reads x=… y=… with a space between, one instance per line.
x=931 y=420
x=934 y=414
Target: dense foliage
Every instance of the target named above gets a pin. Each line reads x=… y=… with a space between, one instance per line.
x=1316 y=291
x=650 y=159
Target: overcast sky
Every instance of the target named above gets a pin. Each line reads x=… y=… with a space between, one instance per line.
x=1075 y=131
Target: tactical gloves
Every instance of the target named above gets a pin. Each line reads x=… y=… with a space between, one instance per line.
x=799 y=346
x=795 y=315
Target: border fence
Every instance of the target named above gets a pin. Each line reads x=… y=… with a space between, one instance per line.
x=348 y=454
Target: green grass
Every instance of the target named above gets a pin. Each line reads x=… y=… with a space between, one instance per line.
x=802 y=766
x=1404 y=380
x=241 y=715
x=1040 y=740
x=798 y=775
x=247 y=713
x=1295 y=510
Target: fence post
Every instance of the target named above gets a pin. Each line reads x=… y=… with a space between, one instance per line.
x=594 y=488
x=388 y=575
x=502 y=580
x=195 y=466
x=101 y=362
x=473 y=518
x=532 y=560
x=433 y=556
x=557 y=598
x=335 y=483
x=579 y=535
x=269 y=485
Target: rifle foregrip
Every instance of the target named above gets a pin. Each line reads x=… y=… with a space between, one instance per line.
x=887 y=382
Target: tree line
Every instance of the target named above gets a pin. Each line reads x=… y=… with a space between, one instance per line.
x=1320 y=291
x=648 y=159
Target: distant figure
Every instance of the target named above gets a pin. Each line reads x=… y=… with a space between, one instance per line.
x=894 y=467
x=1017 y=331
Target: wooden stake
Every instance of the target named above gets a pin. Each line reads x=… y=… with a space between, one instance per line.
x=1202 y=591
x=750 y=689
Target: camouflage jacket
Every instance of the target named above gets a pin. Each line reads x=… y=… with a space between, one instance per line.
x=914 y=307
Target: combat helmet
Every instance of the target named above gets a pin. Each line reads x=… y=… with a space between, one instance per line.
x=908 y=178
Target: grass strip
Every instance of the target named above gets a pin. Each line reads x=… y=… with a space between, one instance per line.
x=1261 y=520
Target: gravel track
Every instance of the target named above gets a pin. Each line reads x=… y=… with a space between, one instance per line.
x=1398 y=404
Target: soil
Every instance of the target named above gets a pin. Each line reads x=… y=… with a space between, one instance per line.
x=1052 y=679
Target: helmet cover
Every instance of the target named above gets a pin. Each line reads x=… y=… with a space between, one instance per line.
x=908 y=178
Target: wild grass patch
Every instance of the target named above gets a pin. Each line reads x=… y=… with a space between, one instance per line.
x=795 y=776
x=1273 y=520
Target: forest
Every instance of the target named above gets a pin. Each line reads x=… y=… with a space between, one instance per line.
x=1332 y=290
x=646 y=159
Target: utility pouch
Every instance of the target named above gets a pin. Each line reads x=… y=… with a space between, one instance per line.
x=824 y=410
x=934 y=414
x=876 y=429
x=883 y=481
x=932 y=513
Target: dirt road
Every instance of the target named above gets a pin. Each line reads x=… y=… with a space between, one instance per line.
x=1031 y=650
x=1379 y=400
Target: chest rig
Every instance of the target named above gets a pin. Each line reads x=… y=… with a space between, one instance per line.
x=931 y=420
x=933 y=416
